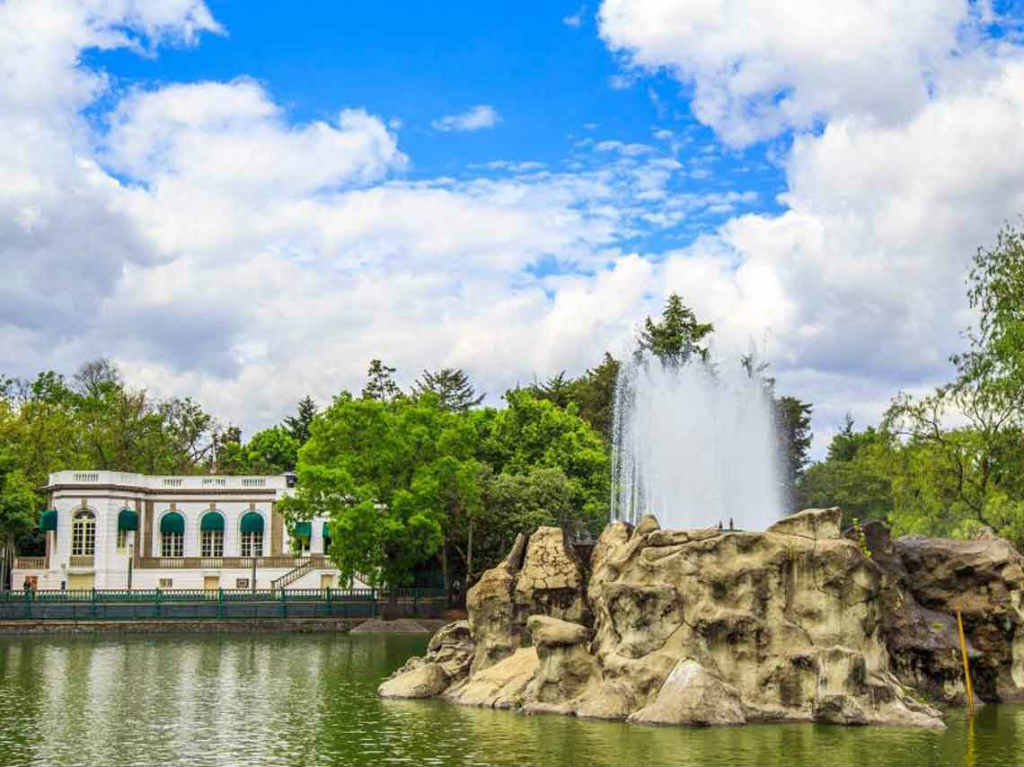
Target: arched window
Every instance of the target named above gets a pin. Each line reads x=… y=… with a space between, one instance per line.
x=252 y=535
x=211 y=535
x=83 y=534
x=172 y=535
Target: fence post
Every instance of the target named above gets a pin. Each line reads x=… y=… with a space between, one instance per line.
x=220 y=603
x=284 y=606
x=329 y=601
x=157 y=606
x=28 y=603
x=94 y=602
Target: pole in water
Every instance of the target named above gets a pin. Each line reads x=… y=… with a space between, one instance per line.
x=967 y=668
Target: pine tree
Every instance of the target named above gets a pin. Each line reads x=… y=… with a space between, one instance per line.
x=298 y=425
x=380 y=382
x=677 y=337
x=452 y=385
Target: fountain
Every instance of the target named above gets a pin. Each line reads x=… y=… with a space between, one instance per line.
x=694 y=446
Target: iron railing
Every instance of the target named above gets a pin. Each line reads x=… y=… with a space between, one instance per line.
x=195 y=604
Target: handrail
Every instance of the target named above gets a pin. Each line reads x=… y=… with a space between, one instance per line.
x=209 y=563
x=29 y=563
x=197 y=595
x=303 y=567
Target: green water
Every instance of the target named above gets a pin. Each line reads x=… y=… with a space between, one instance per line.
x=309 y=699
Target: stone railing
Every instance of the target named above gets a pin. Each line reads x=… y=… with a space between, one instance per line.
x=227 y=563
x=30 y=563
x=82 y=560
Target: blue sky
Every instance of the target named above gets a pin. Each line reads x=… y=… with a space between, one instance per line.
x=246 y=202
x=541 y=66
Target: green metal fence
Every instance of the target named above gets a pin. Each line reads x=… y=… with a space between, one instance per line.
x=191 y=604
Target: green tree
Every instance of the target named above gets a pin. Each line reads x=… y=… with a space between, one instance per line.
x=594 y=393
x=298 y=424
x=380 y=382
x=793 y=426
x=452 y=386
x=271 y=451
x=678 y=335
x=558 y=389
x=18 y=505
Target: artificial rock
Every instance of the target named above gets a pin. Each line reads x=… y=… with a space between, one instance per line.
x=705 y=627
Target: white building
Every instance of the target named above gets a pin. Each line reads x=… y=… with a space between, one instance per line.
x=188 y=532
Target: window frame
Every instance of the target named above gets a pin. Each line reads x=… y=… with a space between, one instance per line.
x=83 y=533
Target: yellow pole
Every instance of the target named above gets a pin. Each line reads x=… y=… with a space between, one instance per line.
x=967 y=669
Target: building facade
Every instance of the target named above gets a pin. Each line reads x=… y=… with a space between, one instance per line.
x=112 y=530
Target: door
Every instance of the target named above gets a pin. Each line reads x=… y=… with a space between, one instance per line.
x=211 y=582
x=80 y=581
x=326 y=581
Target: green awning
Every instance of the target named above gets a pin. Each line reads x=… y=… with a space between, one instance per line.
x=327 y=531
x=252 y=523
x=303 y=530
x=172 y=523
x=48 y=521
x=127 y=519
x=212 y=520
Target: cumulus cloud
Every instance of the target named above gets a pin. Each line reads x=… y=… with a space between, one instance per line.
x=757 y=69
x=475 y=118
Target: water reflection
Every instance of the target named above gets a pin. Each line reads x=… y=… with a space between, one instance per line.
x=303 y=699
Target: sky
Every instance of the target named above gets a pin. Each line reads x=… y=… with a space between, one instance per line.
x=246 y=202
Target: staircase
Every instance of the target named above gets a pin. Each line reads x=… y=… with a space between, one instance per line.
x=304 y=566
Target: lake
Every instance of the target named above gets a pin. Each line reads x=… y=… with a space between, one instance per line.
x=309 y=699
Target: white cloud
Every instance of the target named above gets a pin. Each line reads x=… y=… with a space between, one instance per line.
x=475 y=118
x=758 y=68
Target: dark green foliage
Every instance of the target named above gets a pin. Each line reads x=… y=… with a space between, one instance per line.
x=380 y=382
x=298 y=424
x=678 y=335
x=452 y=386
x=793 y=426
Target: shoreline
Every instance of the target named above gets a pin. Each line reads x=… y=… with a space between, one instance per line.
x=213 y=626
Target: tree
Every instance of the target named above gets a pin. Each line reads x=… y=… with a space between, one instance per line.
x=368 y=465
x=678 y=336
x=271 y=451
x=557 y=389
x=380 y=382
x=594 y=392
x=298 y=424
x=17 y=513
x=857 y=476
x=452 y=386
x=793 y=426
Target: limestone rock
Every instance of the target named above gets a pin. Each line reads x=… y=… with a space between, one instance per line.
x=984 y=579
x=424 y=681
x=691 y=695
x=810 y=523
x=551 y=579
x=647 y=525
x=493 y=623
x=552 y=632
x=502 y=685
x=452 y=648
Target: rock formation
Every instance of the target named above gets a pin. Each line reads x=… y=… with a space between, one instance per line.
x=709 y=627
x=926 y=580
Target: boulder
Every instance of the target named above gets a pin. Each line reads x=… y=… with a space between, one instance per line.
x=502 y=685
x=692 y=695
x=984 y=580
x=424 y=681
x=552 y=632
x=810 y=523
